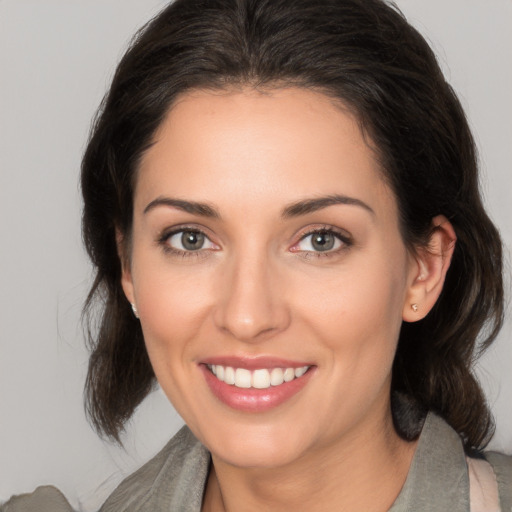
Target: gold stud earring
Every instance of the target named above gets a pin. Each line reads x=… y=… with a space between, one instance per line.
x=134 y=309
x=414 y=307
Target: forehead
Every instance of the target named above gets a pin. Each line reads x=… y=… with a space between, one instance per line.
x=267 y=147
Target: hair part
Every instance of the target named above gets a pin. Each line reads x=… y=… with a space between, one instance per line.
x=364 y=54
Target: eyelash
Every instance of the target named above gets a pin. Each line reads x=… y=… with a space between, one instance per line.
x=163 y=240
x=346 y=241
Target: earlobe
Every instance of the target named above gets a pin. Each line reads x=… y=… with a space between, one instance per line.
x=429 y=271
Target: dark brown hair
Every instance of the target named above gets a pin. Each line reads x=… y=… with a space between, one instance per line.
x=364 y=53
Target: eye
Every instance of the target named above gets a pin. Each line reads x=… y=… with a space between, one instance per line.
x=322 y=240
x=188 y=240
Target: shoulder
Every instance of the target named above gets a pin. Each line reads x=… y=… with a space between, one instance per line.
x=502 y=466
x=442 y=477
x=176 y=475
x=44 y=499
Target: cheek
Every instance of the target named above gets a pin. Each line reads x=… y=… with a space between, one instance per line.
x=358 y=314
x=172 y=304
x=359 y=300
x=172 y=311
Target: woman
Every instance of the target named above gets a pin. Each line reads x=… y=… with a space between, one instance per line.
x=281 y=203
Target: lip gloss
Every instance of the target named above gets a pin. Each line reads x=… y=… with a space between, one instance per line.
x=252 y=399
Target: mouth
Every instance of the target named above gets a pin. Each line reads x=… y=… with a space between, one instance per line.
x=255 y=385
x=262 y=378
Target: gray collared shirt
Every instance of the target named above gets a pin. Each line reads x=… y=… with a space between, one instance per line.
x=174 y=480
x=437 y=481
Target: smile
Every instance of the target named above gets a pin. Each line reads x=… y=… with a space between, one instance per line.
x=255 y=385
x=261 y=378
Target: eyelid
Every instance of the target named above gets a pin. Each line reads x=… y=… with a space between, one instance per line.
x=167 y=233
x=343 y=236
x=187 y=231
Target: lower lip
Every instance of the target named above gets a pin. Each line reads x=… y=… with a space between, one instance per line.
x=254 y=400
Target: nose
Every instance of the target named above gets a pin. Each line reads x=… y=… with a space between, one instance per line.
x=250 y=306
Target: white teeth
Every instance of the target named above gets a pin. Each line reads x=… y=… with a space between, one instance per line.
x=242 y=378
x=299 y=372
x=289 y=374
x=276 y=377
x=261 y=379
x=258 y=379
x=229 y=375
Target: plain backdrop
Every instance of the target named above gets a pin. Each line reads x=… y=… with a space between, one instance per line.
x=56 y=60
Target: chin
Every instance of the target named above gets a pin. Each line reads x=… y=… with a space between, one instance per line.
x=257 y=446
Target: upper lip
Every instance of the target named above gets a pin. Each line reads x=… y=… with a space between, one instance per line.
x=254 y=363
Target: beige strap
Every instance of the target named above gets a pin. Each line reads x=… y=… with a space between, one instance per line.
x=483 y=487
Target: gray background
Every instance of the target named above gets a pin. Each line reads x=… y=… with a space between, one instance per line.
x=56 y=59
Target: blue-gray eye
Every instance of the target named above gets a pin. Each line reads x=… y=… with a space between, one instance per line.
x=323 y=241
x=320 y=241
x=192 y=240
x=189 y=240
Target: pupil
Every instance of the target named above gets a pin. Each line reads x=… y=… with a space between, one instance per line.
x=192 y=240
x=323 y=241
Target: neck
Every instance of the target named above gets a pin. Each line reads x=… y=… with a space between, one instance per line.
x=363 y=471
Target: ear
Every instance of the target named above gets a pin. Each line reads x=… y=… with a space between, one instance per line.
x=428 y=270
x=126 y=273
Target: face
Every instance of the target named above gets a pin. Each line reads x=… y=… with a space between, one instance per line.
x=266 y=250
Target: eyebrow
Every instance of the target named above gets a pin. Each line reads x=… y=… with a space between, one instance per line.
x=193 y=207
x=318 y=203
x=297 y=209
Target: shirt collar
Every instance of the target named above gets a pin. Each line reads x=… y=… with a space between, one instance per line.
x=438 y=477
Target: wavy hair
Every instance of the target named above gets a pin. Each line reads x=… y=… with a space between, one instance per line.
x=363 y=53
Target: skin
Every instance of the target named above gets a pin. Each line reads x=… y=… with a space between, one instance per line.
x=258 y=287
